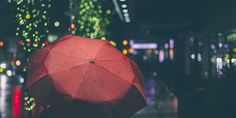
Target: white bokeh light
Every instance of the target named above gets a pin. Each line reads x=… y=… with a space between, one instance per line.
x=3 y=65
x=9 y=73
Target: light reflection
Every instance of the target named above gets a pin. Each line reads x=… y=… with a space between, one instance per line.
x=219 y=64
x=220 y=45
x=171 y=52
x=3 y=82
x=171 y=43
x=199 y=57
x=4 y=105
x=193 y=56
x=16 y=102
x=161 y=56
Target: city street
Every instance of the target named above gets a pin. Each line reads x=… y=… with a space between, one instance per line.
x=117 y=59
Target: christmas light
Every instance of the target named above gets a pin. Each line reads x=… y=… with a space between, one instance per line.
x=56 y=24
x=9 y=73
x=20 y=42
x=32 y=22
x=108 y=11
x=27 y=16
x=125 y=42
x=29 y=103
x=88 y=18
x=1 y=70
x=46 y=43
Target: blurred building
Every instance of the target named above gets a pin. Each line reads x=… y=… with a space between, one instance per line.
x=195 y=56
x=223 y=52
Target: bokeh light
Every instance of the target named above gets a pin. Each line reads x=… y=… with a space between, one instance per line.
x=125 y=42
x=124 y=51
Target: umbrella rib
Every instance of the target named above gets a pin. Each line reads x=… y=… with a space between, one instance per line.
x=113 y=74
x=83 y=77
x=68 y=69
x=100 y=83
x=100 y=48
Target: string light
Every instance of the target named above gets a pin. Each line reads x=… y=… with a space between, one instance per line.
x=108 y=11
x=32 y=22
x=29 y=103
x=125 y=42
x=56 y=24
x=20 y=42
x=1 y=70
x=88 y=18
x=27 y=16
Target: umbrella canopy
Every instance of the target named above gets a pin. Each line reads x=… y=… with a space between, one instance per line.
x=88 y=70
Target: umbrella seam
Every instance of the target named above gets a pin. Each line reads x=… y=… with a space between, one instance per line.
x=113 y=74
x=84 y=76
x=102 y=86
x=69 y=68
x=106 y=98
x=100 y=48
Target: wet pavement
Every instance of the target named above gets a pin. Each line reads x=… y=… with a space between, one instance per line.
x=160 y=103
x=5 y=97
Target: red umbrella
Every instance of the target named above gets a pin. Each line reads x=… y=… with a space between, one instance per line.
x=81 y=69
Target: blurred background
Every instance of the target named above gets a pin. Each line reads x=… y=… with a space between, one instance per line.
x=186 y=49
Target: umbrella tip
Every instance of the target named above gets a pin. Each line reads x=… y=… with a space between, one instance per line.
x=92 y=61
